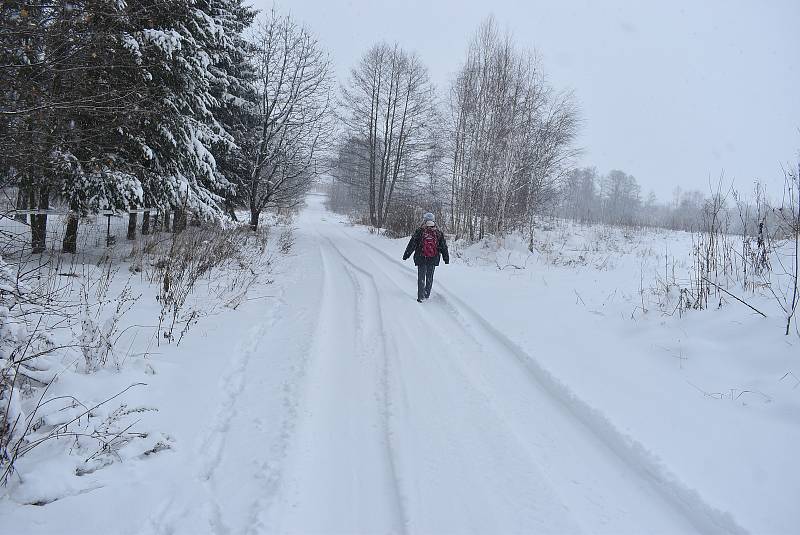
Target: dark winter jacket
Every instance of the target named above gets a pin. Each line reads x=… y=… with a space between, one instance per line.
x=415 y=246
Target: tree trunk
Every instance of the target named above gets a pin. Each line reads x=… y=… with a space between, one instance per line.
x=70 y=243
x=179 y=221
x=22 y=204
x=165 y=222
x=145 y=223
x=34 y=221
x=230 y=210
x=254 y=215
x=38 y=238
x=39 y=222
x=132 y=217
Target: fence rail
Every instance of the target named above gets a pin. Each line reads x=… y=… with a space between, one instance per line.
x=12 y=213
x=97 y=229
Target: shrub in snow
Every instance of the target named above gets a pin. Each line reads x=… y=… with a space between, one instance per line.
x=99 y=330
x=286 y=240
x=22 y=364
x=38 y=345
x=95 y=341
x=196 y=254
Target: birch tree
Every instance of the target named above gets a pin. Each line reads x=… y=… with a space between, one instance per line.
x=511 y=137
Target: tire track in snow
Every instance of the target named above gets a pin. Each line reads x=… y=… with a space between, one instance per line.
x=383 y=398
x=338 y=475
x=271 y=473
x=629 y=452
x=463 y=470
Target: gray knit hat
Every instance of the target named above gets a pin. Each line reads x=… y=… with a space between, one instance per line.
x=428 y=217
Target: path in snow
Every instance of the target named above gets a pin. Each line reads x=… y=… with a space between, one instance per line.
x=359 y=410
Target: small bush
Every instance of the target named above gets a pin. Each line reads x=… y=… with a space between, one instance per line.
x=286 y=241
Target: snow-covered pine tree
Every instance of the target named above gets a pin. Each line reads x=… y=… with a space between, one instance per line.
x=25 y=102
x=233 y=88
x=113 y=104
x=211 y=34
x=179 y=135
x=72 y=87
x=96 y=169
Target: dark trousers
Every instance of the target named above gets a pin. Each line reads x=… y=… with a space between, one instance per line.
x=424 y=280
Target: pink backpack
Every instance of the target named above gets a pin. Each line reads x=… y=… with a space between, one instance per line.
x=430 y=242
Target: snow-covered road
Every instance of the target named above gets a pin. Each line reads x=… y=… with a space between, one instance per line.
x=333 y=402
x=355 y=409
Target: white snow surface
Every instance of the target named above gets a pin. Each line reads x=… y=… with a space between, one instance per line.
x=504 y=404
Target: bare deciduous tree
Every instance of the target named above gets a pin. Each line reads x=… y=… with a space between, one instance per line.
x=291 y=124
x=788 y=297
x=511 y=137
x=387 y=108
x=620 y=197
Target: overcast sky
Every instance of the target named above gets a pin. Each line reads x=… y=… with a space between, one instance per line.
x=671 y=91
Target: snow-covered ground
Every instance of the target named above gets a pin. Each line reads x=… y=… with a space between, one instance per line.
x=539 y=400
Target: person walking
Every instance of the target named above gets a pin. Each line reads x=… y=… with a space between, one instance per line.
x=428 y=245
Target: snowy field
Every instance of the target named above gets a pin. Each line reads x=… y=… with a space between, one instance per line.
x=541 y=392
